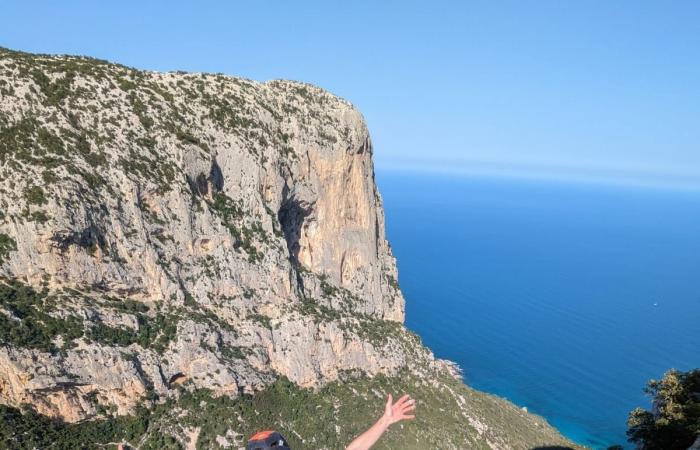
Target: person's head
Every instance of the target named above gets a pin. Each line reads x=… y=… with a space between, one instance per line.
x=267 y=440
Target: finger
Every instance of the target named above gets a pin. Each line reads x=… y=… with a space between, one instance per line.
x=403 y=399
x=388 y=400
x=407 y=402
x=408 y=408
x=410 y=417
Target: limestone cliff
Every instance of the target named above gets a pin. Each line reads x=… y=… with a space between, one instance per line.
x=163 y=234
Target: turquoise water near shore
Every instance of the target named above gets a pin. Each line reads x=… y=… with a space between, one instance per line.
x=544 y=293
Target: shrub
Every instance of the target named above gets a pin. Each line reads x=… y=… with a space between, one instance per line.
x=153 y=332
x=35 y=195
x=7 y=245
x=674 y=421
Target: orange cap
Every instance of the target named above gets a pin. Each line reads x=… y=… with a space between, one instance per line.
x=261 y=435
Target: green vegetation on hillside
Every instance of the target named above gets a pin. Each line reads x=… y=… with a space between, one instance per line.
x=153 y=332
x=325 y=419
x=35 y=195
x=56 y=91
x=674 y=421
x=233 y=216
x=30 y=326
x=7 y=245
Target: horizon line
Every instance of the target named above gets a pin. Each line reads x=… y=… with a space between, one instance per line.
x=597 y=176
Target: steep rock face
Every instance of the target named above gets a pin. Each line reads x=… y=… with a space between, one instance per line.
x=161 y=231
x=206 y=192
x=278 y=151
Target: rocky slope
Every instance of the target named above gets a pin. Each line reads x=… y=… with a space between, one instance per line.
x=166 y=237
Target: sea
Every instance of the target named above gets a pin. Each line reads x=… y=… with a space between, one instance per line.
x=564 y=298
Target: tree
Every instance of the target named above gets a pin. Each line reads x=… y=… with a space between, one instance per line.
x=674 y=420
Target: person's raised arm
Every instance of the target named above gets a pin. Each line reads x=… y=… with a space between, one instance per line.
x=393 y=412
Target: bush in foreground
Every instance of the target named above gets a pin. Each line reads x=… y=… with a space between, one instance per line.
x=674 y=420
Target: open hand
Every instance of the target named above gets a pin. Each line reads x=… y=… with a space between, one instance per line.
x=395 y=412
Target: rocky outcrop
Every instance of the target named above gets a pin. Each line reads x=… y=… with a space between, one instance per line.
x=170 y=230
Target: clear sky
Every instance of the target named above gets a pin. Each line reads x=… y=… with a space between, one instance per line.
x=605 y=88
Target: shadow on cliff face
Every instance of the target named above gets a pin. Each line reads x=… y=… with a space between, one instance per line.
x=291 y=216
x=207 y=184
x=89 y=238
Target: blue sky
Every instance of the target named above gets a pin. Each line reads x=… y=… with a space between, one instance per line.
x=606 y=90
